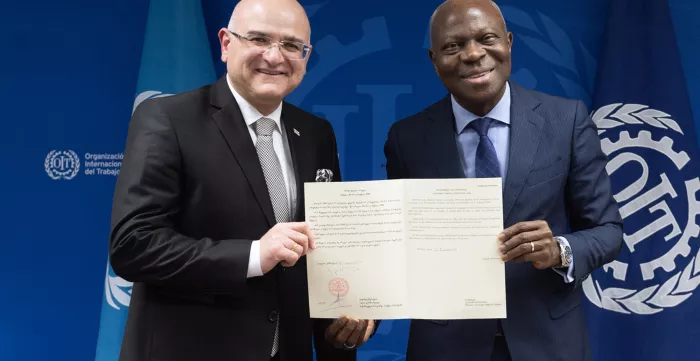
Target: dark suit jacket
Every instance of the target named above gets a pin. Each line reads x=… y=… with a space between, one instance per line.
x=190 y=198
x=556 y=173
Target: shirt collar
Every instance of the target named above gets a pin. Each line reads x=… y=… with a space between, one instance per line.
x=500 y=112
x=250 y=114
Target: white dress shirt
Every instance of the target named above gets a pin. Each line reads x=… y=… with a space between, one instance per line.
x=499 y=133
x=281 y=146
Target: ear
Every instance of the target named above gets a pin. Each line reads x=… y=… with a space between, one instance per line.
x=433 y=59
x=224 y=40
x=510 y=40
x=306 y=61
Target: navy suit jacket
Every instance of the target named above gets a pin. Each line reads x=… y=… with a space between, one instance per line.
x=556 y=172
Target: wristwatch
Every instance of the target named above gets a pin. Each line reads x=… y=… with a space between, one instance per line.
x=564 y=252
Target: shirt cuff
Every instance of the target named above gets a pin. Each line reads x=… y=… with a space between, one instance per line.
x=569 y=275
x=254 y=268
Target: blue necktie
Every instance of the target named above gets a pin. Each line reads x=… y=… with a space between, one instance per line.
x=486 y=162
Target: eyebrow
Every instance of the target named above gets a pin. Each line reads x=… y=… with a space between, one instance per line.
x=458 y=35
x=286 y=37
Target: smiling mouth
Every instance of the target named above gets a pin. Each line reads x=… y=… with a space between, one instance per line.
x=480 y=75
x=270 y=72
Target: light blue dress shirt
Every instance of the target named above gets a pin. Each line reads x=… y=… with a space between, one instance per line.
x=499 y=133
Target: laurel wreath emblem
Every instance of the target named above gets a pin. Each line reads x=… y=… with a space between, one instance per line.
x=47 y=165
x=618 y=114
x=117 y=289
x=56 y=176
x=679 y=287
x=669 y=294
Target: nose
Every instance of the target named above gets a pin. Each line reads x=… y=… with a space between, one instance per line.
x=472 y=52
x=272 y=55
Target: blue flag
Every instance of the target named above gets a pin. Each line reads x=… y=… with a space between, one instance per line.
x=176 y=58
x=641 y=306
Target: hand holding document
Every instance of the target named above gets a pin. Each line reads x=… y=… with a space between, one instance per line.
x=414 y=248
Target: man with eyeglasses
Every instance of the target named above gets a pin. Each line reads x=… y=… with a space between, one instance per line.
x=208 y=209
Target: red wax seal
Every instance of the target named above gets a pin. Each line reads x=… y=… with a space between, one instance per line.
x=338 y=286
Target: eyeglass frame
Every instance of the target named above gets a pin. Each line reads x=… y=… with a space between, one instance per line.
x=305 y=47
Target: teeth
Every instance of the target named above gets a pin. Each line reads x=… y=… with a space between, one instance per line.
x=478 y=75
x=270 y=72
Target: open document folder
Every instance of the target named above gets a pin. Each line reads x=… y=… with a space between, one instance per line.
x=414 y=248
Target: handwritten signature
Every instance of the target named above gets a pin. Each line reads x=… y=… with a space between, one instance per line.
x=337 y=271
x=336 y=307
x=338 y=303
x=340 y=268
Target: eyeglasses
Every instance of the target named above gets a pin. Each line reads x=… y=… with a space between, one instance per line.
x=292 y=50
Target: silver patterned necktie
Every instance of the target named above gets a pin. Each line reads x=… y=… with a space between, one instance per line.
x=272 y=169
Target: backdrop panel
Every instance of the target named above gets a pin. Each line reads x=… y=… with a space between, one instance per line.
x=71 y=73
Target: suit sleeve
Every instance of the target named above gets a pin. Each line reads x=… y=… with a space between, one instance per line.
x=595 y=221
x=145 y=245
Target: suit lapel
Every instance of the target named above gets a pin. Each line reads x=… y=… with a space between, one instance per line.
x=230 y=121
x=525 y=135
x=299 y=143
x=441 y=140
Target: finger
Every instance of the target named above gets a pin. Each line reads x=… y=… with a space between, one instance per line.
x=538 y=259
x=518 y=255
x=529 y=257
x=345 y=332
x=524 y=238
x=516 y=229
x=542 y=258
x=312 y=239
x=287 y=257
x=303 y=227
x=293 y=246
x=355 y=337
x=521 y=249
x=299 y=238
x=371 y=325
x=333 y=329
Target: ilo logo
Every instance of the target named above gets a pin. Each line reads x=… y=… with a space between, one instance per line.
x=62 y=164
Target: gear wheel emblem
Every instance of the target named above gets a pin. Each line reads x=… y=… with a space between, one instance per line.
x=679 y=286
x=680 y=159
x=644 y=140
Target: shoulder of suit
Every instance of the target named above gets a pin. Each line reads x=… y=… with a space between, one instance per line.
x=188 y=102
x=420 y=118
x=552 y=107
x=291 y=110
x=545 y=98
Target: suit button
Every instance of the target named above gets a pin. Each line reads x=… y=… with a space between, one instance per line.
x=273 y=316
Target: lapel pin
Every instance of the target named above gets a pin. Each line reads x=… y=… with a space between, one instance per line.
x=296 y=132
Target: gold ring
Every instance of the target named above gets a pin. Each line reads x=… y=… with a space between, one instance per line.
x=532 y=245
x=294 y=246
